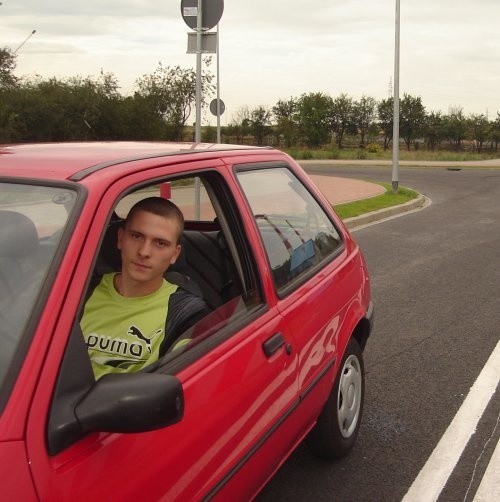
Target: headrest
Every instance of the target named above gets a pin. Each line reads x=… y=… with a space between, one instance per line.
x=18 y=235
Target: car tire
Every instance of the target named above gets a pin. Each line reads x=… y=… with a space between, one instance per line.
x=337 y=427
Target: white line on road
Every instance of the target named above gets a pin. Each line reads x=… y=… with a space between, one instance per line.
x=489 y=489
x=432 y=478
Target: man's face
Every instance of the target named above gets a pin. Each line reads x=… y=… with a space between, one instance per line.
x=148 y=246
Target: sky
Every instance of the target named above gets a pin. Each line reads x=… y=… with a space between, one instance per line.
x=274 y=49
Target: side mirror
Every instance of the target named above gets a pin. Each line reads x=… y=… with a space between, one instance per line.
x=131 y=402
x=135 y=402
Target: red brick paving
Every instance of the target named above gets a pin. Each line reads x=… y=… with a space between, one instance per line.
x=341 y=190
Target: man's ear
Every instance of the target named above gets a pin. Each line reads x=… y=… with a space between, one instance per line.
x=176 y=254
x=119 y=238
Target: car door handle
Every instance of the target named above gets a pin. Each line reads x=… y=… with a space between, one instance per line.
x=273 y=344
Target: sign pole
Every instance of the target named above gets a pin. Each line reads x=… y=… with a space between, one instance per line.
x=197 y=137
x=218 y=88
x=197 y=133
x=191 y=9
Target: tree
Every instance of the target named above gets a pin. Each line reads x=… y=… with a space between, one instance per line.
x=7 y=67
x=364 y=113
x=94 y=104
x=138 y=119
x=313 y=116
x=479 y=129
x=342 y=117
x=260 y=121
x=434 y=130
x=386 y=119
x=455 y=127
x=240 y=124
x=285 y=113
x=77 y=108
x=495 y=131
x=42 y=110
x=172 y=92
x=412 y=118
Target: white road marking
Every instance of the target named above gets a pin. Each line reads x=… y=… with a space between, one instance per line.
x=489 y=489
x=432 y=478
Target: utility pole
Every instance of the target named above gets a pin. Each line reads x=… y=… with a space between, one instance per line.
x=395 y=131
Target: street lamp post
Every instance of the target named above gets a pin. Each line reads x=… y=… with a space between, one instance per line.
x=24 y=41
x=395 y=131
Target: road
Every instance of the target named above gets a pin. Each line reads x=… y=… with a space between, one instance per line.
x=436 y=286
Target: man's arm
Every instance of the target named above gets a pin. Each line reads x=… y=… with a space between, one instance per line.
x=184 y=310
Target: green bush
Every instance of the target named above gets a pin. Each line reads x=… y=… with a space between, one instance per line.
x=373 y=148
x=361 y=154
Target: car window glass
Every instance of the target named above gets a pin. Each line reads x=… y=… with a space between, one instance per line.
x=32 y=220
x=296 y=232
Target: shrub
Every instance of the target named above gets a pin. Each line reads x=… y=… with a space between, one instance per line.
x=373 y=148
x=335 y=153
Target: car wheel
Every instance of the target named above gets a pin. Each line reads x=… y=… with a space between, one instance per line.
x=337 y=427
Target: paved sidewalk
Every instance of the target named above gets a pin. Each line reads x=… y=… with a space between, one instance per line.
x=340 y=190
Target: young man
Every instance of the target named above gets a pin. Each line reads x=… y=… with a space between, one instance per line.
x=134 y=315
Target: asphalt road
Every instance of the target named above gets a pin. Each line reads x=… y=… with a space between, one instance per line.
x=436 y=287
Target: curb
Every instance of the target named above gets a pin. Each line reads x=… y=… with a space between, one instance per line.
x=389 y=212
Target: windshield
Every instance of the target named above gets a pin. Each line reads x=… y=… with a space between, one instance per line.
x=32 y=220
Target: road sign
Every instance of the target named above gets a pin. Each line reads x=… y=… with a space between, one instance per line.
x=211 y=12
x=208 y=43
x=213 y=106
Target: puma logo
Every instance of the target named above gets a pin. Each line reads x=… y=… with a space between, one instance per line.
x=135 y=331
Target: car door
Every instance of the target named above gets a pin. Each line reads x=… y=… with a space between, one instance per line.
x=239 y=385
x=315 y=278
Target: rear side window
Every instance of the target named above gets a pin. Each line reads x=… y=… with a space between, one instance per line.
x=296 y=232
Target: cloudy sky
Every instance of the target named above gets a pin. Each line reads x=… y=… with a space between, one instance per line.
x=274 y=49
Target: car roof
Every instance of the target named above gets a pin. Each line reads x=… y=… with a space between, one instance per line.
x=77 y=160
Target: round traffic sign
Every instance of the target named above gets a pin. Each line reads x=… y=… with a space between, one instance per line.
x=213 y=106
x=211 y=12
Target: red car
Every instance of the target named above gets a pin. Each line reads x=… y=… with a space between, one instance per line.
x=277 y=360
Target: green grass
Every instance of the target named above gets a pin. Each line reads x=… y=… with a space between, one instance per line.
x=388 y=199
x=363 y=154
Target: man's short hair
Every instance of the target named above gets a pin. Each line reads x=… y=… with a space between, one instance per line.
x=160 y=207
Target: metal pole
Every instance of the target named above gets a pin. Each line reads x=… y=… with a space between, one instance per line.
x=218 y=88
x=24 y=41
x=197 y=134
x=198 y=73
x=395 y=131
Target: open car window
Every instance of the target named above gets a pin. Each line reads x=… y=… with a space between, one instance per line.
x=215 y=262
x=189 y=194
